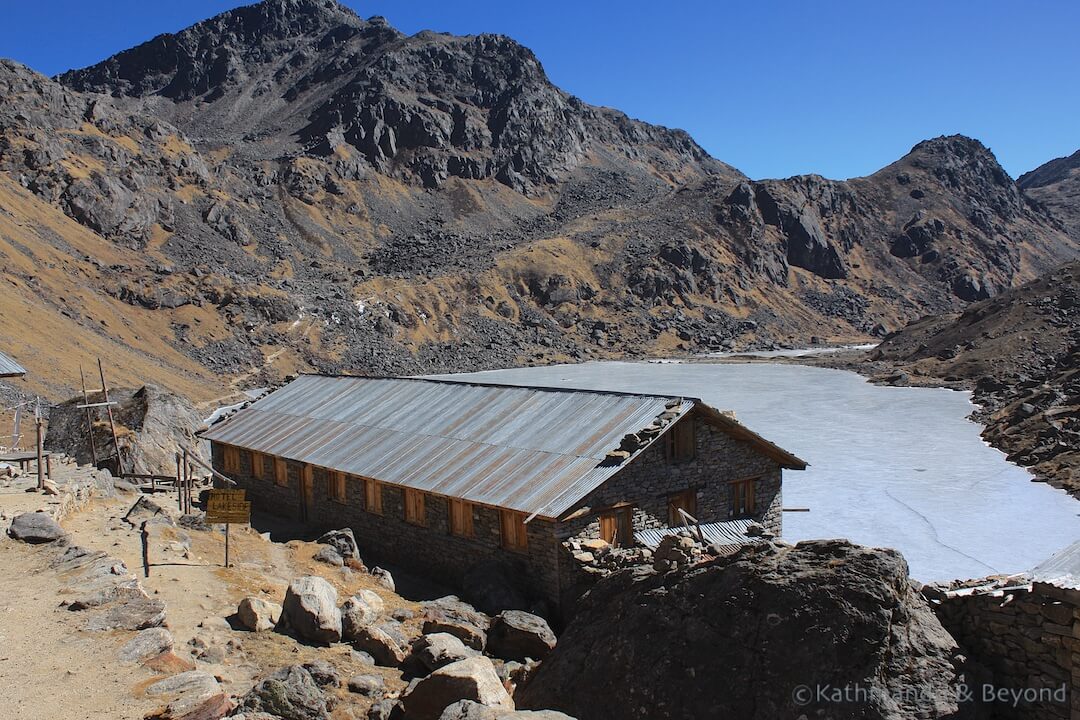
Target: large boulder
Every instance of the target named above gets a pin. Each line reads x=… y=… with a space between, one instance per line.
x=344 y=541
x=470 y=679
x=451 y=615
x=36 y=528
x=437 y=650
x=358 y=612
x=257 y=614
x=152 y=422
x=290 y=693
x=469 y=710
x=518 y=635
x=741 y=637
x=310 y=610
x=376 y=642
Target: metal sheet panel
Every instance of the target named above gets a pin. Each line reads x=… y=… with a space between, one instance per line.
x=536 y=450
x=728 y=532
x=10 y=368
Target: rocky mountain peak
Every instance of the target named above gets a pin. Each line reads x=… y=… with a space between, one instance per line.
x=222 y=51
x=1054 y=171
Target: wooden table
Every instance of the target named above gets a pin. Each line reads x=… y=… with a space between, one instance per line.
x=25 y=458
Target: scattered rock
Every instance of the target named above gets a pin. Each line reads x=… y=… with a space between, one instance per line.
x=135 y=613
x=323 y=673
x=36 y=528
x=143 y=510
x=290 y=694
x=257 y=614
x=310 y=610
x=330 y=556
x=469 y=710
x=149 y=643
x=439 y=649
x=343 y=541
x=470 y=679
x=460 y=619
x=371 y=686
x=358 y=612
x=384 y=649
x=518 y=635
x=384 y=578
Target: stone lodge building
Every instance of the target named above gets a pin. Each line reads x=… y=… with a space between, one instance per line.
x=440 y=475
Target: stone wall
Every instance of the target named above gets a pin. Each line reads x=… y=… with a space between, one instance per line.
x=651 y=478
x=1028 y=639
x=428 y=549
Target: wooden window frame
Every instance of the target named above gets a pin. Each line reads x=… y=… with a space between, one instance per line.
x=373 y=495
x=674 y=518
x=281 y=472
x=231 y=459
x=513 y=530
x=337 y=487
x=459 y=514
x=681 y=442
x=746 y=489
x=258 y=470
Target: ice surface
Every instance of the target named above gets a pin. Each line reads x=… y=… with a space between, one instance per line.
x=890 y=467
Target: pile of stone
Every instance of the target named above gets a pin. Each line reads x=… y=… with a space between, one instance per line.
x=455 y=655
x=599 y=557
x=632 y=442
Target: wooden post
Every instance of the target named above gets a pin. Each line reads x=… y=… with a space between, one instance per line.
x=40 y=451
x=112 y=422
x=179 y=484
x=89 y=417
x=184 y=485
x=226 y=544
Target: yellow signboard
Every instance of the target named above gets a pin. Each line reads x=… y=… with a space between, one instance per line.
x=227 y=506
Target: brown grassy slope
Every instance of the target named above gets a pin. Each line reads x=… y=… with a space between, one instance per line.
x=54 y=318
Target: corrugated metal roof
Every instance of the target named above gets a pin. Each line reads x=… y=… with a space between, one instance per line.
x=536 y=450
x=728 y=532
x=1061 y=569
x=10 y=368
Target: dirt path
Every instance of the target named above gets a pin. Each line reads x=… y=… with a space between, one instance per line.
x=49 y=667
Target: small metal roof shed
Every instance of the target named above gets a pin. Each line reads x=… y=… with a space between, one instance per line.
x=531 y=449
x=10 y=368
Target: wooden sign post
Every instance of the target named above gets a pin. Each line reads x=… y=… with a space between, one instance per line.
x=227 y=506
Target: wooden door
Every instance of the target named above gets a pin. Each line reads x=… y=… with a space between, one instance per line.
x=617 y=527
x=307 y=492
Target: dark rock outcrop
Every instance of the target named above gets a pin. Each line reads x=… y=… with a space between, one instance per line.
x=756 y=629
x=36 y=528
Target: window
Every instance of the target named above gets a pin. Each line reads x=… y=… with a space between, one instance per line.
x=281 y=472
x=232 y=459
x=461 y=521
x=257 y=468
x=335 y=486
x=681 y=442
x=373 y=496
x=685 y=501
x=415 y=512
x=742 y=497
x=514 y=533
x=617 y=526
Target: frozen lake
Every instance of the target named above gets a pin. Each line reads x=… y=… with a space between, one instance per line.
x=890 y=467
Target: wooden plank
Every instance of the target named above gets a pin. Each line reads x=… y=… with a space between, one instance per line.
x=89 y=417
x=95 y=405
x=112 y=422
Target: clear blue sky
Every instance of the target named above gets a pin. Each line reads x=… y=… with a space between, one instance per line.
x=835 y=87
